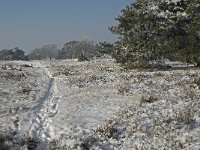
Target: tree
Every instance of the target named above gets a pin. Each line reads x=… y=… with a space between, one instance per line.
x=12 y=54
x=50 y=51
x=68 y=51
x=183 y=31
x=47 y=51
x=190 y=53
x=150 y=30
x=104 y=48
x=36 y=54
x=138 y=40
x=76 y=49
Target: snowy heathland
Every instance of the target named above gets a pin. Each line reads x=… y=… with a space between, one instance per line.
x=97 y=105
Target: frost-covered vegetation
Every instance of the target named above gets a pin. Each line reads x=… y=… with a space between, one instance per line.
x=163 y=114
x=98 y=105
x=147 y=97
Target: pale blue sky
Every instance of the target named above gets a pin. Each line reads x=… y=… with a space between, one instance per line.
x=31 y=23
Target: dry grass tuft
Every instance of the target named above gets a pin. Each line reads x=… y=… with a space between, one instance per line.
x=148 y=99
x=24 y=88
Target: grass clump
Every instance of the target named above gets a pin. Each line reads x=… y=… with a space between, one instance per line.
x=197 y=82
x=148 y=99
x=24 y=88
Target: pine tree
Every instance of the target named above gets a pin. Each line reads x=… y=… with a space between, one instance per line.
x=150 y=30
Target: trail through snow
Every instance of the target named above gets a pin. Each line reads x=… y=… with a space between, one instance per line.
x=41 y=126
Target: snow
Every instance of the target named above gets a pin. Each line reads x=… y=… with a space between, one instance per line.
x=98 y=105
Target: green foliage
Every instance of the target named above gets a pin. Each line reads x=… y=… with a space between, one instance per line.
x=151 y=30
x=104 y=48
x=186 y=43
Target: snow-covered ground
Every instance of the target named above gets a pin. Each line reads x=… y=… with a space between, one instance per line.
x=97 y=105
x=27 y=90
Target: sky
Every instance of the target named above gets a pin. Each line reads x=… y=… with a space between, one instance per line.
x=29 y=24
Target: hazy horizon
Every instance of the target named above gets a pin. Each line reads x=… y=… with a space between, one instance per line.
x=31 y=24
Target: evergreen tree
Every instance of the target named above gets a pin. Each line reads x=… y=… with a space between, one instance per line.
x=104 y=48
x=150 y=30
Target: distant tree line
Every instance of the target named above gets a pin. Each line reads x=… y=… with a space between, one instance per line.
x=83 y=50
